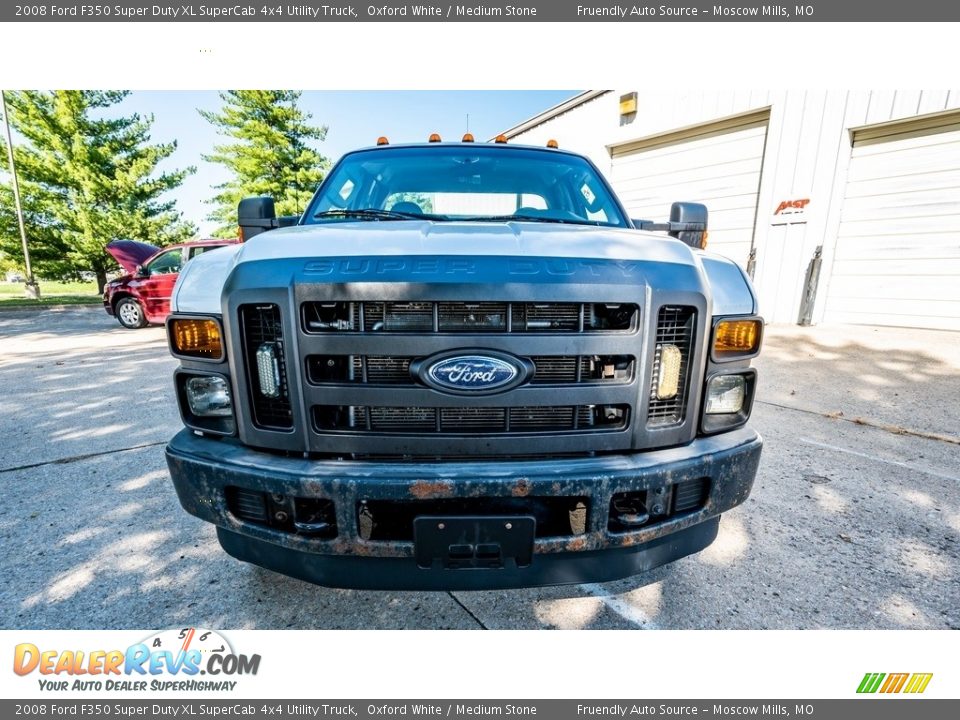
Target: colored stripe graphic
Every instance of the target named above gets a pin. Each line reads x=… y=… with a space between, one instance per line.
x=870 y=682
x=894 y=683
x=918 y=683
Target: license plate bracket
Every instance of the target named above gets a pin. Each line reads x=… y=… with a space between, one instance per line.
x=480 y=542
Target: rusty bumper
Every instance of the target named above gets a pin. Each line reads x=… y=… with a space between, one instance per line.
x=205 y=471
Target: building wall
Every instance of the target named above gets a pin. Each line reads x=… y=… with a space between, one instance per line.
x=806 y=157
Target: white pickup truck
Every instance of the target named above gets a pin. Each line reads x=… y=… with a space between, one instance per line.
x=464 y=367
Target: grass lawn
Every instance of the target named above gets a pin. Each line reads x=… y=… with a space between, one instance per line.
x=52 y=292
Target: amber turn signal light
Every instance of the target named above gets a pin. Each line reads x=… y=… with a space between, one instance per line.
x=196 y=338
x=735 y=338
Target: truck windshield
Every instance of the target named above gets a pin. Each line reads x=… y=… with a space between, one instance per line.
x=481 y=183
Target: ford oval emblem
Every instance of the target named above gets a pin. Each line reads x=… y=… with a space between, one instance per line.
x=473 y=373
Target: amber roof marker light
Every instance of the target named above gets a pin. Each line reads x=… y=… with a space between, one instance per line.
x=468 y=137
x=553 y=144
x=434 y=137
x=501 y=139
x=382 y=140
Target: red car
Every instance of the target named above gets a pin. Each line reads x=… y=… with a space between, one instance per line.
x=143 y=295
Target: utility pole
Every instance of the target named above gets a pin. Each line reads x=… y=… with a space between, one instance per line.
x=32 y=289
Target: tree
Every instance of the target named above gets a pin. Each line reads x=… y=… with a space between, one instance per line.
x=270 y=153
x=86 y=178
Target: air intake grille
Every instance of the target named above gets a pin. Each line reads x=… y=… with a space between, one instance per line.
x=262 y=327
x=470 y=420
x=691 y=495
x=460 y=317
x=249 y=505
x=675 y=326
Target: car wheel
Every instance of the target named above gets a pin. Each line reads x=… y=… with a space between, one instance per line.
x=130 y=314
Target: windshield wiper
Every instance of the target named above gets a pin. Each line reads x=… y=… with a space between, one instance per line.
x=372 y=214
x=527 y=218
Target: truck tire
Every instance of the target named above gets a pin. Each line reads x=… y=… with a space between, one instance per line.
x=130 y=313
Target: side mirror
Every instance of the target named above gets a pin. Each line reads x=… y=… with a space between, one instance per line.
x=692 y=221
x=259 y=214
x=256 y=215
x=141 y=271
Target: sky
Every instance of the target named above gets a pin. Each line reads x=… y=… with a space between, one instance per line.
x=353 y=119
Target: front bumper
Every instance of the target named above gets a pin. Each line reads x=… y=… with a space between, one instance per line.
x=203 y=468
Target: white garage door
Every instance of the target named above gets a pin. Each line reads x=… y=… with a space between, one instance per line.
x=897 y=259
x=718 y=165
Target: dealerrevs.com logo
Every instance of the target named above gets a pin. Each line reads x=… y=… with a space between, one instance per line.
x=910 y=683
x=168 y=660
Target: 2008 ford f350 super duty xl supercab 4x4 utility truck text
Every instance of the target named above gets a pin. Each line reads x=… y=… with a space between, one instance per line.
x=464 y=367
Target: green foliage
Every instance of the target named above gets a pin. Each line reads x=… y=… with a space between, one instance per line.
x=269 y=153
x=85 y=179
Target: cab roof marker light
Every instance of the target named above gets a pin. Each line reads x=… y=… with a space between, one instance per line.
x=434 y=137
x=501 y=139
x=468 y=137
x=382 y=140
x=551 y=143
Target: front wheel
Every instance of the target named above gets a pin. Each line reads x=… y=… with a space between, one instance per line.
x=130 y=314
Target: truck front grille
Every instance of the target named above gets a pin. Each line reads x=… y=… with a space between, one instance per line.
x=470 y=420
x=263 y=330
x=345 y=383
x=459 y=317
x=675 y=326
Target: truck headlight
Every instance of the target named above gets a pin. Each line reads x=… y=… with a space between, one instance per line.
x=727 y=401
x=209 y=396
x=205 y=402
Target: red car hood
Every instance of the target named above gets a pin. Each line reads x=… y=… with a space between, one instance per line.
x=130 y=253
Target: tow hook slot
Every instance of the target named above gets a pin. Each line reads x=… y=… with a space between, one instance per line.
x=630 y=511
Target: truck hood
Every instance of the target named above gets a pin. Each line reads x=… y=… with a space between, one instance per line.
x=201 y=281
x=508 y=239
x=130 y=253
